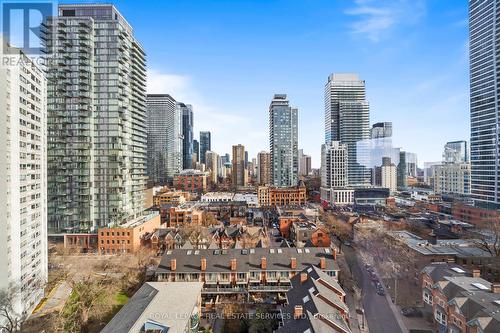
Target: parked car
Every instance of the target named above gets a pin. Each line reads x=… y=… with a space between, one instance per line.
x=381 y=291
x=411 y=312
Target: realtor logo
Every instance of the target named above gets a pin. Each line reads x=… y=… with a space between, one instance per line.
x=22 y=24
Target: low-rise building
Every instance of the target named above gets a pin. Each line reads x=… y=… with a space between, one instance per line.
x=235 y=271
x=160 y=307
x=341 y=196
x=190 y=180
x=460 y=302
x=184 y=215
x=127 y=237
x=371 y=196
x=315 y=303
x=474 y=215
x=465 y=252
x=281 y=196
x=171 y=197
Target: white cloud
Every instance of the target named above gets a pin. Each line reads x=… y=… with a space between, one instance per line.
x=226 y=127
x=375 y=18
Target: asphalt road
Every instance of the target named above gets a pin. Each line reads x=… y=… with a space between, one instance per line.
x=378 y=313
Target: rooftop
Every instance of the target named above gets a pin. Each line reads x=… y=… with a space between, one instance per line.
x=457 y=247
x=167 y=306
x=277 y=259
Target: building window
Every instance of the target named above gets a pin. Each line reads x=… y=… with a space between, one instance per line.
x=440 y=317
x=427 y=297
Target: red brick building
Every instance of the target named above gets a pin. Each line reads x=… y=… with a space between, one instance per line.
x=194 y=181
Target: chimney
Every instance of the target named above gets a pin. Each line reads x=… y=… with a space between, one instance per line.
x=173 y=264
x=303 y=277
x=334 y=253
x=263 y=263
x=233 y=264
x=203 y=264
x=293 y=263
x=495 y=288
x=298 y=312
x=476 y=273
x=322 y=263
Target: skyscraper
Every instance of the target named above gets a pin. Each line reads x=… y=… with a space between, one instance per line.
x=196 y=152
x=212 y=164
x=164 y=139
x=283 y=142
x=23 y=179
x=187 y=135
x=304 y=163
x=484 y=34
x=239 y=172
x=381 y=130
x=347 y=119
x=96 y=118
x=263 y=168
x=456 y=152
x=205 y=144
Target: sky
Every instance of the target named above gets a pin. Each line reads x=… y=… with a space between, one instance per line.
x=228 y=58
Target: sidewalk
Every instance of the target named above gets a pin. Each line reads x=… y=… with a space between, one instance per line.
x=356 y=320
x=55 y=300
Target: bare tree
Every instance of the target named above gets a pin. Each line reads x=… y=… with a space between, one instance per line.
x=340 y=229
x=12 y=319
x=488 y=238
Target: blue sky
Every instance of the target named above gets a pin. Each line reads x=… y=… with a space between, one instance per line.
x=228 y=58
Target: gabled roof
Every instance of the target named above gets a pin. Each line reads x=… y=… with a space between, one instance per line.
x=316 y=296
x=171 y=299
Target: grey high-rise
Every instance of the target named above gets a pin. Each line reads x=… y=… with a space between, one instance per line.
x=96 y=118
x=205 y=145
x=187 y=135
x=164 y=139
x=347 y=119
x=484 y=38
x=196 y=151
x=283 y=142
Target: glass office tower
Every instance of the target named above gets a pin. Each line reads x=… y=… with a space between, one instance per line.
x=187 y=135
x=283 y=142
x=164 y=139
x=205 y=145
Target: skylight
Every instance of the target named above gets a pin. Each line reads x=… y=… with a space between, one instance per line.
x=457 y=270
x=480 y=286
x=299 y=250
x=306 y=299
x=280 y=251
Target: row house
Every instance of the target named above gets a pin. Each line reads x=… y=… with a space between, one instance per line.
x=315 y=303
x=244 y=270
x=460 y=302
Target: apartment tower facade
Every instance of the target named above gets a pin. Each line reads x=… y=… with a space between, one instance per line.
x=283 y=142
x=96 y=104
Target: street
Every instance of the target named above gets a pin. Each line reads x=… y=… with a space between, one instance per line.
x=379 y=315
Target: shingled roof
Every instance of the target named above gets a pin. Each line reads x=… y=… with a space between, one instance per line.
x=277 y=259
x=320 y=297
